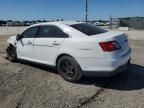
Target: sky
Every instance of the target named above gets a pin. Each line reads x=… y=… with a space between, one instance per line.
x=69 y=9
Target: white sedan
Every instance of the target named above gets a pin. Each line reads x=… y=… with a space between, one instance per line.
x=74 y=48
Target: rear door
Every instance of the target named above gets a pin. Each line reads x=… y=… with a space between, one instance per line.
x=47 y=43
x=25 y=45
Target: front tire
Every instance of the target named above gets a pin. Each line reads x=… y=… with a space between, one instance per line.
x=69 y=69
x=11 y=53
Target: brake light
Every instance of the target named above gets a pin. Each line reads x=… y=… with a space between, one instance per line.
x=110 y=46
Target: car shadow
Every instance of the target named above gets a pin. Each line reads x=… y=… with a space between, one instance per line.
x=133 y=79
x=40 y=66
x=36 y=65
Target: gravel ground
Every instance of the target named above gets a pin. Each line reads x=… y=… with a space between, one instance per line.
x=26 y=85
x=10 y=30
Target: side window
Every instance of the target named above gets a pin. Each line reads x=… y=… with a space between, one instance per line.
x=51 y=32
x=30 y=33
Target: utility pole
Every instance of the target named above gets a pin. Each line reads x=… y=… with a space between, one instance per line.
x=86 y=10
x=111 y=23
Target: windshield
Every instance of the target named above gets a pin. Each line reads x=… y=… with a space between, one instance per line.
x=88 y=29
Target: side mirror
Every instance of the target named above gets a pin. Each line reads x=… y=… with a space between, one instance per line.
x=18 y=37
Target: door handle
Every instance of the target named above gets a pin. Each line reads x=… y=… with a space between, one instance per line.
x=55 y=43
x=29 y=42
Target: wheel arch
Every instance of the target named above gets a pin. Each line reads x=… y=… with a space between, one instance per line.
x=61 y=55
x=11 y=43
x=11 y=52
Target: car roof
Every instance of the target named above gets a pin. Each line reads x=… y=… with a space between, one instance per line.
x=59 y=22
x=70 y=22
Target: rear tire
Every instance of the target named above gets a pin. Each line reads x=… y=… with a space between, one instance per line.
x=69 y=69
x=11 y=53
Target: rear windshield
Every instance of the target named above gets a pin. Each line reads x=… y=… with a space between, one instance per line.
x=88 y=29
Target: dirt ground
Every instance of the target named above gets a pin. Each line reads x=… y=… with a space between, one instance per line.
x=26 y=85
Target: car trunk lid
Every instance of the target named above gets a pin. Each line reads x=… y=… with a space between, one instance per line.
x=119 y=37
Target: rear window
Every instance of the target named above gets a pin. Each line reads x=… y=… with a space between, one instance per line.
x=88 y=29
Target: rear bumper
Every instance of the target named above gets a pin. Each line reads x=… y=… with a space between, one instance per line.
x=107 y=73
x=104 y=67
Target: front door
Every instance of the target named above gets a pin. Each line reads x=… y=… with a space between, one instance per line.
x=25 y=44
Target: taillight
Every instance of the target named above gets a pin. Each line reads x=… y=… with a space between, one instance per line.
x=110 y=46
